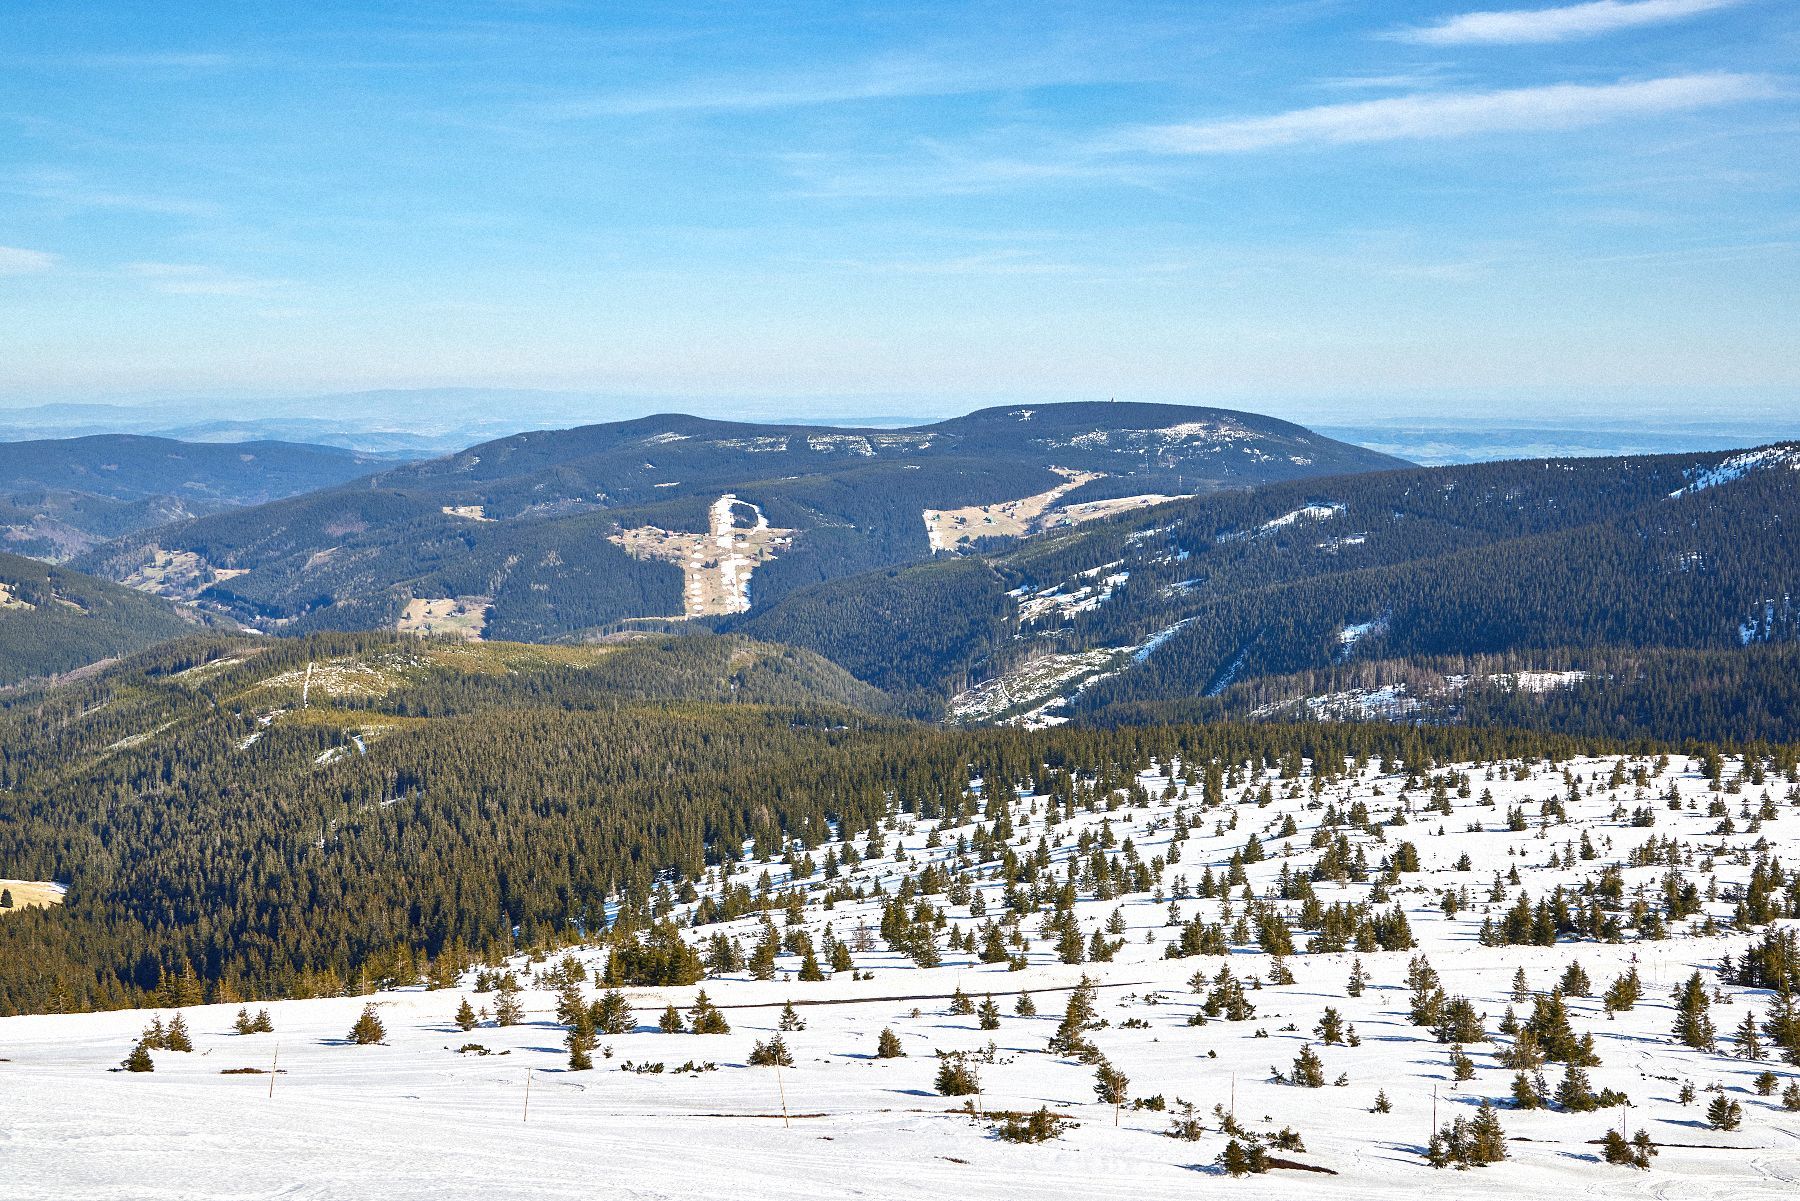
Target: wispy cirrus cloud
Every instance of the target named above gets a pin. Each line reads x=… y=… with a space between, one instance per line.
x=195 y=279
x=1437 y=115
x=890 y=80
x=170 y=61
x=1565 y=23
x=15 y=260
x=61 y=188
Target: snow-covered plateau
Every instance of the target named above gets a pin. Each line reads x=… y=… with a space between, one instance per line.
x=1639 y=869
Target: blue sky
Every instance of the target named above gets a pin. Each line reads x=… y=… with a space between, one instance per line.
x=1313 y=208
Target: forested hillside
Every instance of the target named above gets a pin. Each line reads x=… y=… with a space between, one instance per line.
x=54 y=620
x=555 y=533
x=1546 y=561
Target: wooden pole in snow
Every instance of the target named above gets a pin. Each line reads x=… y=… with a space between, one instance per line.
x=527 y=1114
x=783 y=1088
x=274 y=1065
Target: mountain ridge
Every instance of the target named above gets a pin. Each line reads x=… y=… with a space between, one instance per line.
x=557 y=533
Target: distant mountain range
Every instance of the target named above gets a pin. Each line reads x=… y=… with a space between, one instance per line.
x=59 y=497
x=397 y=423
x=1102 y=563
x=555 y=534
x=410 y=424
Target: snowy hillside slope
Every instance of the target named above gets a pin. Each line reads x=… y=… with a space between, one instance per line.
x=1675 y=872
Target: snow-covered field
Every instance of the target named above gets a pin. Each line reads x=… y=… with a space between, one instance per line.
x=417 y=1117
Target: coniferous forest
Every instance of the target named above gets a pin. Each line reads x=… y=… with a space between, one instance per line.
x=202 y=841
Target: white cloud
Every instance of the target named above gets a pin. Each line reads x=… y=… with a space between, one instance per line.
x=14 y=261
x=1563 y=24
x=1450 y=114
x=890 y=77
x=150 y=62
x=994 y=263
x=192 y=279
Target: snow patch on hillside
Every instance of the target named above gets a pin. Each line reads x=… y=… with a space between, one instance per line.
x=1771 y=621
x=1068 y=599
x=1399 y=700
x=1738 y=466
x=1312 y=513
x=1350 y=635
x=1150 y=645
x=1044 y=678
x=1387 y=703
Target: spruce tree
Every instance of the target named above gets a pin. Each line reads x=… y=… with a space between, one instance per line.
x=1623 y=993
x=1461 y=1066
x=887 y=1045
x=1243 y=1158
x=1616 y=1149
x=956 y=1077
x=774 y=1053
x=1575 y=1094
x=1309 y=1069
x=762 y=960
x=1525 y=1092
x=1747 y=1038
x=1111 y=1086
x=368 y=1029
x=1724 y=1113
x=1521 y=987
x=612 y=1013
x=707 y=1018
x=465 y=1016
x=1693 y=1025
x=581 y=1040
x=1488 y=1138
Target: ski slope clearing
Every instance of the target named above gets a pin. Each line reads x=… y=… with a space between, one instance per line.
x=949 y=528
x=715 y=566
x=1467 y=894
